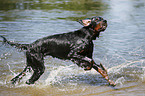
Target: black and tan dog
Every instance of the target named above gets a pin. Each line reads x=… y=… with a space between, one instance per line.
x=76 y=46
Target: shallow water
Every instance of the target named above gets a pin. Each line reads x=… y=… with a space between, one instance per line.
x=121 y=48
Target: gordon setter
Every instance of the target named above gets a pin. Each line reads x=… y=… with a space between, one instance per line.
x=76 y=46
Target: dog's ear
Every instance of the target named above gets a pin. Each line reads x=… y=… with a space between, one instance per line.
x=85 y=22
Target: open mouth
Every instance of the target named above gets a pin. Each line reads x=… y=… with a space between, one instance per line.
x=104 y=26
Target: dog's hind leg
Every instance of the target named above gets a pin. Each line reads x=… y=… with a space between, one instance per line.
x=37 y=63
x=36 y=75
x=19 y=76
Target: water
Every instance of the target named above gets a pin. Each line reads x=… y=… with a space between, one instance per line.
x=121 y=48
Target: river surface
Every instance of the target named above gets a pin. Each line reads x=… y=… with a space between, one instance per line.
x=121 y=48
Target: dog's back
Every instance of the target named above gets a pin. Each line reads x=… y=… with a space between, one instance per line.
x=60 y=45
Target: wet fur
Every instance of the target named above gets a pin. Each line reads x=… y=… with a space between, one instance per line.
x=76 y=46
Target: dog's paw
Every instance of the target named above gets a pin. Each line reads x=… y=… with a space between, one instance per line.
x=14 y=80
x=29 y=82
x=111 y=83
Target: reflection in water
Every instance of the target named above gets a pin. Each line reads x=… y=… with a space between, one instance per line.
x=84 y=8
x=71 y=5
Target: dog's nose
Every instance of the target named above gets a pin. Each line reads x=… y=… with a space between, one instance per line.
x=105 y=21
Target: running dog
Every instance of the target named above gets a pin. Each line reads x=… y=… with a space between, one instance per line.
x=76 y=46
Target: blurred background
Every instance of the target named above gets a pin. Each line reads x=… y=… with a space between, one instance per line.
x=120 y=48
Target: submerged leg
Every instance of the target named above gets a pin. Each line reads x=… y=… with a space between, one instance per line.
x=100 y=68
x=23 y=73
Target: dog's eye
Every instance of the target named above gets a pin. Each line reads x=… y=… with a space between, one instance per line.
x=88 y=21
x=97 y=19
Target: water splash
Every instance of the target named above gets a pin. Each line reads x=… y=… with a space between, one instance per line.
x=11 y=70
x=120 y=81
x=54 y=73
x=66 y=75
x=124 y=65
x=127 y=68
x=143 y=75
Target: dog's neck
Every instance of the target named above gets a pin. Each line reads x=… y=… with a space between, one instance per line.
x=91 y=33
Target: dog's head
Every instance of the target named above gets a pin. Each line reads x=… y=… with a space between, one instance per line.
x=96 y=23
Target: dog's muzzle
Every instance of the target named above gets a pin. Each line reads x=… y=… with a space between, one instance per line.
x=104 y=25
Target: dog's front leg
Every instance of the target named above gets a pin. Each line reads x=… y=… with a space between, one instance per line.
x=89 y=63
x=83 y=61
x=100 y=68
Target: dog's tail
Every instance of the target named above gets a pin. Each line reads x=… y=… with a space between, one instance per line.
x=16 y=45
